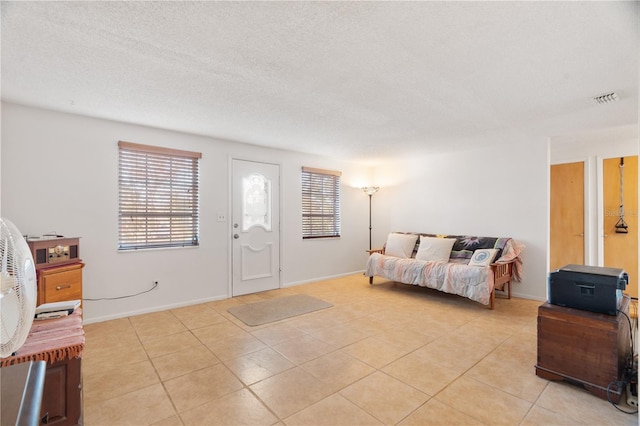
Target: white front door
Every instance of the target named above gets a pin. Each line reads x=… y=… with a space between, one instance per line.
x=255 y=227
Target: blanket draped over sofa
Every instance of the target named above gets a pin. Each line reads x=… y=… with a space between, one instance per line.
x=456 y=276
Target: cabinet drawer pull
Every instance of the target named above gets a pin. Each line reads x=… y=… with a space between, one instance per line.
x=60 y=287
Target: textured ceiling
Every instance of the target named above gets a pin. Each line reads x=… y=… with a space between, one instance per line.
x=359 y=80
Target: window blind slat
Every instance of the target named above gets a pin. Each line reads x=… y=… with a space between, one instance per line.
x=320 y=203
x=158 y=198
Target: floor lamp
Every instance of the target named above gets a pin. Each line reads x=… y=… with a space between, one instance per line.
x=370 y=190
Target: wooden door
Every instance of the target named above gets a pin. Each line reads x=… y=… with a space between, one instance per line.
x=621 y=250
x=256 y=227
x=567 y=215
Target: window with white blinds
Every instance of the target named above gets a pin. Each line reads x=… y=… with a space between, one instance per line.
x=320 y=203
x=158 y=197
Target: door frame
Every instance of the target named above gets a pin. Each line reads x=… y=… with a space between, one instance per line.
x=600 y=207
x=229 y=221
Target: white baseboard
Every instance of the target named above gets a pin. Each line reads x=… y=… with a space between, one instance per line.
x=527 y=296
x=328 y=277
x=151 y=310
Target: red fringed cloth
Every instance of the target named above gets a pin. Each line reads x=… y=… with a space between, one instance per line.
x=51 y=340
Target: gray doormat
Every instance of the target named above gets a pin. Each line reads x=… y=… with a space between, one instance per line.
x=259 y=313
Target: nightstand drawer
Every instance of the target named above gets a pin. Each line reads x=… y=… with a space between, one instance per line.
x=60 y=284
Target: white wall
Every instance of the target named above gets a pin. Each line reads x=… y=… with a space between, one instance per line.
x=593 y=148
x=497 y=192
x=59 y=173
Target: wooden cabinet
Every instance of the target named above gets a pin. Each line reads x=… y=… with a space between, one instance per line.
x=582 y=347
x=62 y=393
x=59 y=342
x=21 y=393
x=60 y=283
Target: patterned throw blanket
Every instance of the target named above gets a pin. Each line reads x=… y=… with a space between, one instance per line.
x=456 y=277
x=51 y=340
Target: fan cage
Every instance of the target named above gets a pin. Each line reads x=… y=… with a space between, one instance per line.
x=18 y=289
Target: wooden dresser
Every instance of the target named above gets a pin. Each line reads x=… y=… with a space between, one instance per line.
x=582 y=347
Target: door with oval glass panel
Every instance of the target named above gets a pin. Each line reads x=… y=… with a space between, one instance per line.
x=255 y=227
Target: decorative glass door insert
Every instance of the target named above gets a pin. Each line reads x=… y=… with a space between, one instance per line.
x=256 y=203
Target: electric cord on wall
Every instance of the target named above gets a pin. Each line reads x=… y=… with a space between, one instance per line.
x=155 y=284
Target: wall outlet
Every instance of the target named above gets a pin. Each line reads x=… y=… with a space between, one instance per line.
x=222 y=217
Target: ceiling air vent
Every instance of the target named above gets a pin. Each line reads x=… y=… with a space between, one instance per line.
x=606 y=98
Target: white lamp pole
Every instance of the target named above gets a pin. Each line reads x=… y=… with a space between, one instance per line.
x=370 y=190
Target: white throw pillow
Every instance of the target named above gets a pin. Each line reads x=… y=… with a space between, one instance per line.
x=483 y=257
x=400 y=245
x=435 y=249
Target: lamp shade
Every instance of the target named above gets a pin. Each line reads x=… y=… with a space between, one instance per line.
x=370 y=190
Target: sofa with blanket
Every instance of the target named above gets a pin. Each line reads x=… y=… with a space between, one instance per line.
x=469 y=266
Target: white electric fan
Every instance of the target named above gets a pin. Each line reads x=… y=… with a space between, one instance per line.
x=18 y=289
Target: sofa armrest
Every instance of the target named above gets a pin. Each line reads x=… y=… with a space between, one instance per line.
x=503 y=269
x=376 y=250
x=501 y=264
x=502 y=275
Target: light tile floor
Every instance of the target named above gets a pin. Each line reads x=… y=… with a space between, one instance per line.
x=383 y=354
